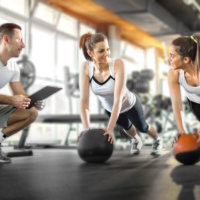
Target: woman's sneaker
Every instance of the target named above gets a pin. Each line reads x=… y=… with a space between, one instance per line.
x=157 y=146
x=136 y=146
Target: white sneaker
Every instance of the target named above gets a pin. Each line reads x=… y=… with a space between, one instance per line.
x=157 y=146
x=136 y=146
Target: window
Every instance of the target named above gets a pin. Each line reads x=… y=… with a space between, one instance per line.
x=46 y=13
x=85 y=29
x=66 y=53
x=66 y=58
x=68 y=24
x=43 y=52
x=18 y=6
x=134 y=55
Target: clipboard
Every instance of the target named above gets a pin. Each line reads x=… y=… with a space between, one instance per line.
x=42 y=94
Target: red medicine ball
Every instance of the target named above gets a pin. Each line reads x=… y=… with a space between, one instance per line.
x=186 y=149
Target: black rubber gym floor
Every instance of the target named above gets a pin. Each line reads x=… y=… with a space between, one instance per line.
x=59 y=174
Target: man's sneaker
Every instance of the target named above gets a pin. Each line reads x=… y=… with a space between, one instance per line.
x=157 y=146
x=3 y=157
x=136 y=146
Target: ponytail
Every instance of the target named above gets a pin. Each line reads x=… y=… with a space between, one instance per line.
x=196 y=39
x=82 y=45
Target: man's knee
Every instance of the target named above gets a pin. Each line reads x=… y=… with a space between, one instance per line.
x=33 y=113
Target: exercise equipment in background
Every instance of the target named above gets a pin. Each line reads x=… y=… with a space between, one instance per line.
x=27 y=72
x=93 y=146
x=186 y=149
x=139 y=81
x=71 y=83
x=158 y=112
x=27 y=78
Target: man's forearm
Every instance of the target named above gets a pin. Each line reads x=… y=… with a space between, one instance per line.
x=5 y=99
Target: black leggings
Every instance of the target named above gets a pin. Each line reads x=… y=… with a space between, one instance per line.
x=133 y=116
x=195 y=108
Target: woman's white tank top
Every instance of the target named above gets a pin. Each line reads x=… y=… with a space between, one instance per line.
x=191 y=92
x=105 y=91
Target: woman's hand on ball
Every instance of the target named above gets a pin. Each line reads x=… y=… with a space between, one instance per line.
x=176 y=138
x=110 y=135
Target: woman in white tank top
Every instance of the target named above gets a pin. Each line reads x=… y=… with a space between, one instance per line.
x=107 y=79
x=184 y=59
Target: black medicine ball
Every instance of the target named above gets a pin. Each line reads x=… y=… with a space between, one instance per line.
x=93 y=146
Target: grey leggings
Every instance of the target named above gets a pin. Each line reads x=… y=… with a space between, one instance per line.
x=133 y=116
